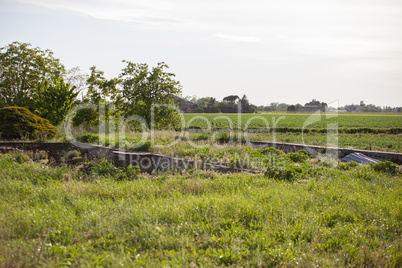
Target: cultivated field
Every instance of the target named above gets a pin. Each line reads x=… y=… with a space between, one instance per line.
x=358 y=131
x=290 y=120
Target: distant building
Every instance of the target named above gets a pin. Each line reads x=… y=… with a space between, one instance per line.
x=184 y=105
x=354 y=108
x=310 y=107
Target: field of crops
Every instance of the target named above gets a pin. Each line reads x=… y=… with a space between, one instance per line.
x=299 y=121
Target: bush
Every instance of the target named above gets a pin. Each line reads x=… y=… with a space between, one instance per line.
x=86 y=117
x=107 y=169
x=226 y=137
x=386 y=166
x=269 y=151
x=18 y=122
x=72 y=154
x=348 y=165
x=89 y=138
x=299 y=157
x=143 y=147
x=21 y=158
x=287 y=173
x=40 y=155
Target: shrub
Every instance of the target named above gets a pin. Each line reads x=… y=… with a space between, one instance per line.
x=132 y=171
x=269 y=150
x=143 y=147
x=21 y=158
x=40 y=155
x=386 y=166
x=106 y=168
x=72 y=154
x=226 y=137
x=348 y=165
x=86 y=117
x=287 y=173
x=17 y=122
x=89 y=138
x=298 y=157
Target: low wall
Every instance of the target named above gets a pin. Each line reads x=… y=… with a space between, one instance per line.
x=150 y=161
x=341 y=152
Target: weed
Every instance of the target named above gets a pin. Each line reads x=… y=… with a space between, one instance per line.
x=386 y=166
x=89 y=138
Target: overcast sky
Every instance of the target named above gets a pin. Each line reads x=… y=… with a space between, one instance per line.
x=271 y=50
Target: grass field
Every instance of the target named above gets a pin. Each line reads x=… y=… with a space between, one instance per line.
x=298 y=211
x=321 y=216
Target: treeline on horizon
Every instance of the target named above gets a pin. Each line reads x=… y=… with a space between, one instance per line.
x=211 y=105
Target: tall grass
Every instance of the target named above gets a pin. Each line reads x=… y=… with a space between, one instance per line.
x=344 y=216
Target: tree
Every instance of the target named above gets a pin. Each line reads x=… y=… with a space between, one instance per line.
x=22 y=68
x=76 y=78
x=324 y=106
x=231 y=98
x=100 y=91
x=53 y=102
x=144 y=90
x=291 y=108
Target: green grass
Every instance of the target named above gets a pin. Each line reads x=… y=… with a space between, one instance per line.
x=379 y=132
x=330 y=216
x=289 y=120
x=374 y=142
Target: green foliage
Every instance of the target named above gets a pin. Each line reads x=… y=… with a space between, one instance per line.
x=86 y=117
x=287 y=172
x=269 y=150
x=299 y=157
x=105 y=168
x=348 y=124
x=227 y=137
x=89 y=138
x=22 y=68
x=146 y=146
x=100 y=89
x=348 y=165
x=54 y=216
x=72 y=154
x=18 y=122
x=150 y=91
x=53 y=102
x=40 y=155
x=21 y=158
x=386 y=166
x=132 y=171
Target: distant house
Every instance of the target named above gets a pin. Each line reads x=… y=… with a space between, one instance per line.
x=354 y=108
x=310 y=107
x=184 y=105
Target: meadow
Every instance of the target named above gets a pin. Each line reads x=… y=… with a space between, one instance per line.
x=302 y=213
x=294 y=210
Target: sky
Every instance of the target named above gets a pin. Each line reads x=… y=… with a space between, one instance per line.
x=292 y=51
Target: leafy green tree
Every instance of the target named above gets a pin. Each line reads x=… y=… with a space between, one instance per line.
x=144 y=90
x=101 y=89
x=291 y=108
x=22 y=68
x=231 y=98
x=53 y=102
